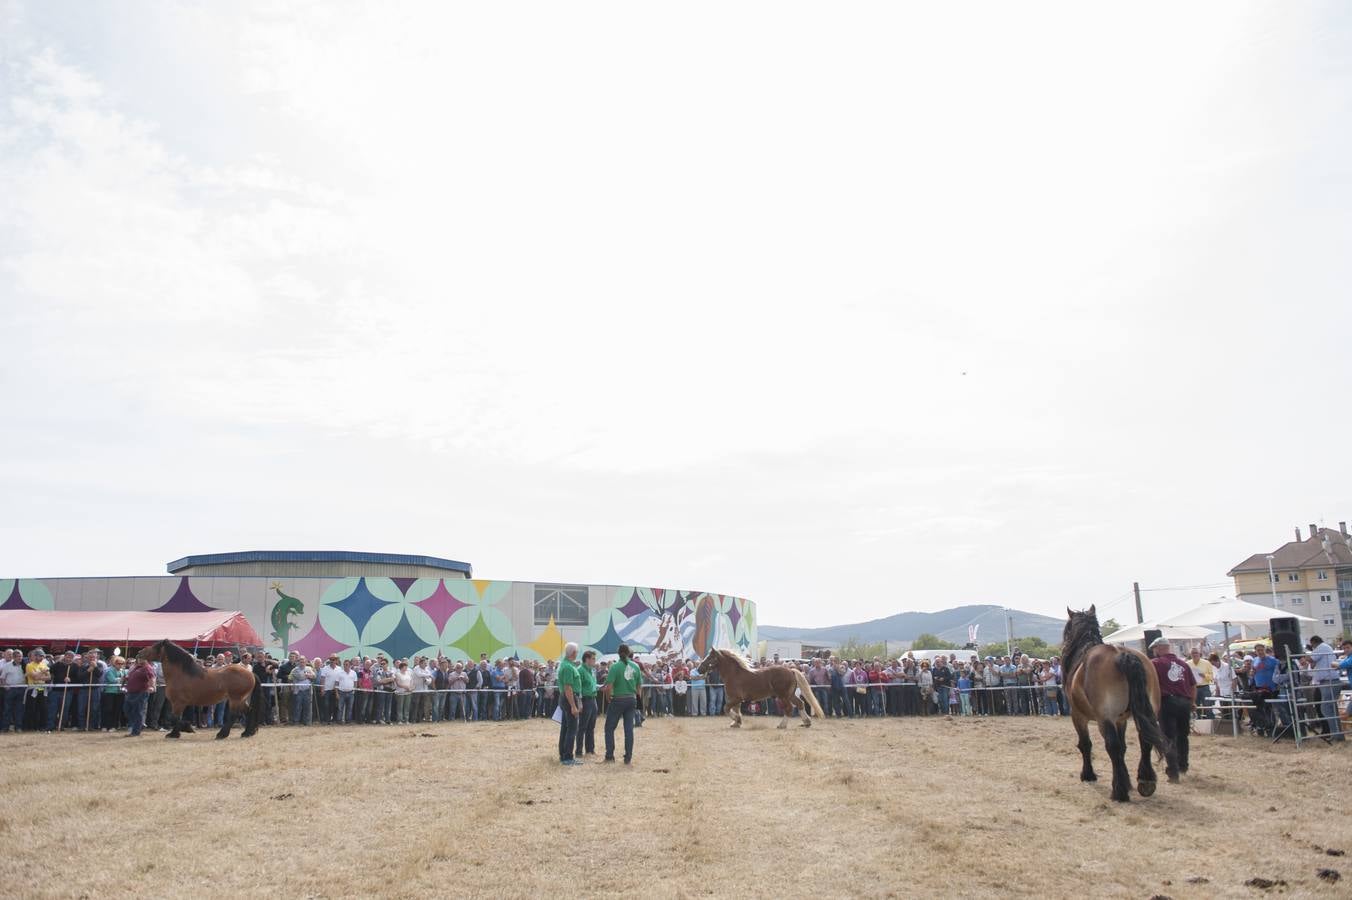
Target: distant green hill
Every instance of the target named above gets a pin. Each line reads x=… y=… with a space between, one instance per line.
x=949 y=624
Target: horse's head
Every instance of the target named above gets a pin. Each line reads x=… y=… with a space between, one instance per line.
x=1081 y=633
x=709 y=663
x=1078 y=620
x=153 y=652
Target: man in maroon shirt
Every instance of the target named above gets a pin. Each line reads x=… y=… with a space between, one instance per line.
x=1178 y=691
x=140 y=683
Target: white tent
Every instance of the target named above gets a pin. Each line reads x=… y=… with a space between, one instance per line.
x=1231 y=612
x=1172 y=632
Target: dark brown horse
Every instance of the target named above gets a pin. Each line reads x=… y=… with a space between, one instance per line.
x=188 y=683
x=1110 y=685
x=741 y=682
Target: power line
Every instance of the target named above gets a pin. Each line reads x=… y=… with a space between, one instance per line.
x=1189 y=587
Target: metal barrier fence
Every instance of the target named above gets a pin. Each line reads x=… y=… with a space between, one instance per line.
x=1297 y=712
x=1310 y=702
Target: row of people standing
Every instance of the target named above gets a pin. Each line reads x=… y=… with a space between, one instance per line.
x=947 y=686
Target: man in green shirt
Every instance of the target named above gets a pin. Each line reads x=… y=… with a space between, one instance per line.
x=622 y=686
x=570 y=704
x=586 y=723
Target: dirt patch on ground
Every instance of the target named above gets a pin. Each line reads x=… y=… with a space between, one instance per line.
x=857 y=808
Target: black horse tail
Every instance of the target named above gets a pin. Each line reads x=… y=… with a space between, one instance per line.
x=1138 y=703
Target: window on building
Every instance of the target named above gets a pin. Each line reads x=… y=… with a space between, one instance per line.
x=1297 y=601
x=1325 y=598
x=1328 y=620
x=566 y=604
x=1322 y=575
x=1293 y=576
x=1276 y=578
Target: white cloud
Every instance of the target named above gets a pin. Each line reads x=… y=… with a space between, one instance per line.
x=877 y=291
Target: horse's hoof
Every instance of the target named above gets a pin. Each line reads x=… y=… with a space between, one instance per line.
x=1088 y=776
x=248 y=734
x=1173 y=779
x=221 y=737
x=1145 y=788
x=172 y=734
x=1125 y=798
x=807 y=723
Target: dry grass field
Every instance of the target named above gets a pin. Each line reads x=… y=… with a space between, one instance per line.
x=871 y=808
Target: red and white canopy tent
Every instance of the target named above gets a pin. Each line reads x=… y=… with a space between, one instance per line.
x=123 y=628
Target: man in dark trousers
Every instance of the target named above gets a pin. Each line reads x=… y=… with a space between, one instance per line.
x=1178 y=691
x=60 y=702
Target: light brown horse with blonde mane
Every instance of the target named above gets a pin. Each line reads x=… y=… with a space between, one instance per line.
x=188 y=683
x=741 y=682
x=1110 y=685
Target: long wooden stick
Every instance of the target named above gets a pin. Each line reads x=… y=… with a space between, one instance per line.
x=89 y=698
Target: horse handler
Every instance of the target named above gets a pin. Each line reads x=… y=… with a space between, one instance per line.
x=570 y=704
x=622 y=685
x=139 y=684
x=1178 y=692
x=586 y=725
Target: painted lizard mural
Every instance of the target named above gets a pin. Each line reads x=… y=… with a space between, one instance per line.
x=282 y=611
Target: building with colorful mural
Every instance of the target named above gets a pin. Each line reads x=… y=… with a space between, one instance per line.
x=319 y=603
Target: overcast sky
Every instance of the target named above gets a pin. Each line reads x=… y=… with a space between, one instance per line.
x=845 y=309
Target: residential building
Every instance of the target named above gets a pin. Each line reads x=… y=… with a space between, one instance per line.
x=1310 y=576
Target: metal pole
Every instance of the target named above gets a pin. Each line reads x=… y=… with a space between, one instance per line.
x=1009 y=633
x=1272 y=581
x=1136 y=589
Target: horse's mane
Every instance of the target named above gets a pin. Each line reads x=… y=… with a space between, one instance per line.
x=737 y=658
x=181 y=658
x=1081 y=634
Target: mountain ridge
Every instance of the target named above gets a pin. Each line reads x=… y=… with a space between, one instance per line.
x=948 y=624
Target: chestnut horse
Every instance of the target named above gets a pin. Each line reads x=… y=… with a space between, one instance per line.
x=741 y=682
x=1110 y=685
x=188 y=683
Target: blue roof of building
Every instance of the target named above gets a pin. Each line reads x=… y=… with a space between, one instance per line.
x=402 y=559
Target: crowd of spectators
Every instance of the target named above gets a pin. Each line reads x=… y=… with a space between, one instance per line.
x=86 y=691
x=1258 y=688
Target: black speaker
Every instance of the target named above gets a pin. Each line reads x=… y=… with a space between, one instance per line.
x=1285 y=637
x=1150 y=635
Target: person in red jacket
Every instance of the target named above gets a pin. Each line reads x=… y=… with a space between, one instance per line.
x=1178 y=692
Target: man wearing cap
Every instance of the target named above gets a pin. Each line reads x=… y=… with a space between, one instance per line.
x=12 y=680
x=60 y=705
x=1178 y=690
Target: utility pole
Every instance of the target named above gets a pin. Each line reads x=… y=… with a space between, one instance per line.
x=1009 y=634
x=1136 y=589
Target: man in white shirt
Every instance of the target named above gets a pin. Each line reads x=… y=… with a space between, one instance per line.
x=1223 y=682
x=11 y=680
x=345 y=680
x=1324 y=679
x=423 y=676
x=328 y=686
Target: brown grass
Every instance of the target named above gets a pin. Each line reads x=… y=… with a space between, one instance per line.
x=868 y=808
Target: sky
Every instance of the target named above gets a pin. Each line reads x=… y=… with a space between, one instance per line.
x=847 y=310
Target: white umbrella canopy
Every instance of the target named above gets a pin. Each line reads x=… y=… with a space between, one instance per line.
x=1232 y=612
x=1172 y=632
